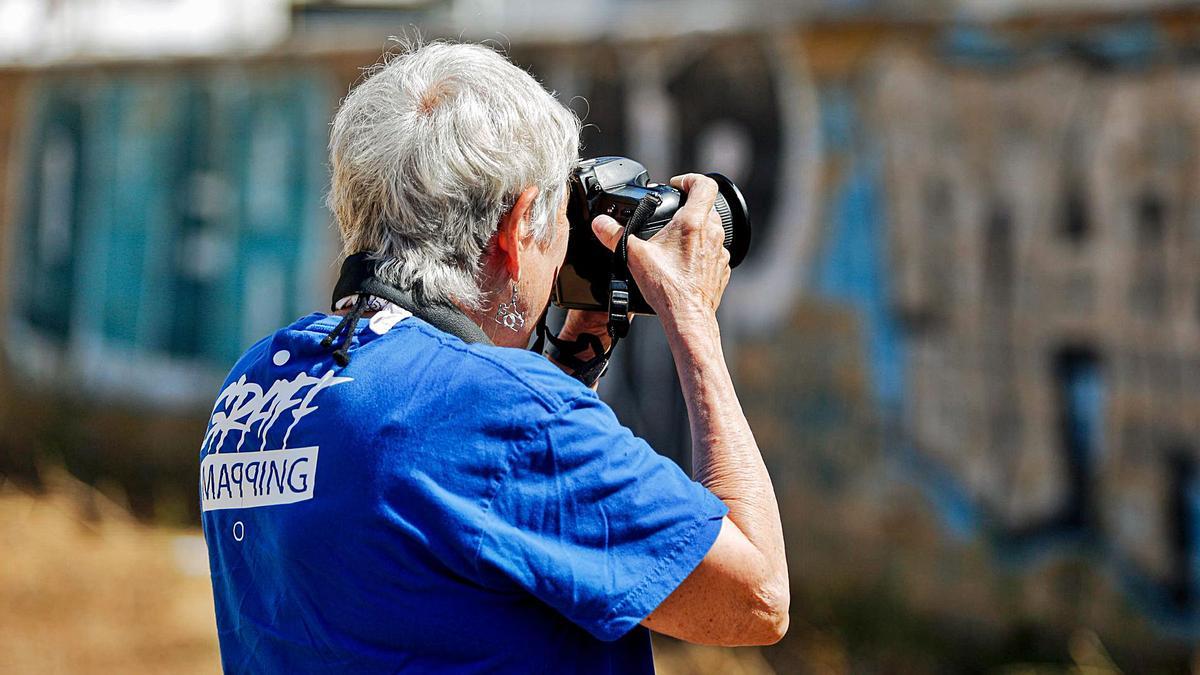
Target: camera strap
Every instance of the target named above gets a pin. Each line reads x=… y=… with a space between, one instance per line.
x=358 y=278
x=566 y=352
x=619 y=283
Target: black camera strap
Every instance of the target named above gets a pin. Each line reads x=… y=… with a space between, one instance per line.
x=619 y=282
x=566 y=352
x=358 y=278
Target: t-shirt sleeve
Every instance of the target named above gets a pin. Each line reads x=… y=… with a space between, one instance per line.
x=594 y=523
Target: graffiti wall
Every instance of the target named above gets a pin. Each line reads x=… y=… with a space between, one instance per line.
x=967 y=333
x=1046 y=255
x=976 y=273
x=744 y=107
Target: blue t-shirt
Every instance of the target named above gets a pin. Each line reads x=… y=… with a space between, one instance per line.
x=434 y=507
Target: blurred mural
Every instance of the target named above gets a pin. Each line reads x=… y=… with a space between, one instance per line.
x=967 y=334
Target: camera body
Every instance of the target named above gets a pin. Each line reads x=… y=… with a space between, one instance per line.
x=614 y=186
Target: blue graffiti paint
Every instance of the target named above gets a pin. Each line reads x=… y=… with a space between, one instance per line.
x=176 y=199
x=1084 y=389
x=1130 y=46
x=1192 y=498
x=976 y=47
x=853 y=265
x=853 y=268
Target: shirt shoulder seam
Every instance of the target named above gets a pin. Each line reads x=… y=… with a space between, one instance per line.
x=552 y=403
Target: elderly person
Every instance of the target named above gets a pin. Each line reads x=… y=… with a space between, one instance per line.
x=476 y=509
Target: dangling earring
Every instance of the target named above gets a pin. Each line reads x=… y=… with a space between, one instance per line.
x=509 y=315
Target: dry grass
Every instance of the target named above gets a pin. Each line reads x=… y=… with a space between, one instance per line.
x=672 y=657
x=85 y=589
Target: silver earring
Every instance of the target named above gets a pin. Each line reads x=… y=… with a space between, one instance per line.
x=509 y=315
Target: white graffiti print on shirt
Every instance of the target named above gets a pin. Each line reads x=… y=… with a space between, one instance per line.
x=244 y=408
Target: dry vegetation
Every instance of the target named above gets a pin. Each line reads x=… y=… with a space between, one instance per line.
x=85 y=588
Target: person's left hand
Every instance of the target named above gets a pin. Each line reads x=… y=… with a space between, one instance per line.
x=579 y=321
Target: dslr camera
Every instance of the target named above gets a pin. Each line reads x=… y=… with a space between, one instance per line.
x=614 y=186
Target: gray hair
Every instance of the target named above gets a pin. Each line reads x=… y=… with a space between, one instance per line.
x=430 y=151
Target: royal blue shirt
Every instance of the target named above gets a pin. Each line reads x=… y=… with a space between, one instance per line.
x=434 y=506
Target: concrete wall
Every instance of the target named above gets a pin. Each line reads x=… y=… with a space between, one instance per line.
x=965 y=335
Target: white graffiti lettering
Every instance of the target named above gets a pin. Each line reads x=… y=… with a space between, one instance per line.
x=242 y=407
x=244 y=480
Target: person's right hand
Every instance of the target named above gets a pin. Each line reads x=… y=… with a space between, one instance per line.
x=683 y=269
x=739 y=594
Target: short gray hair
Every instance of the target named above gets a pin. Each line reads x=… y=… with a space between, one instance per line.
x=431 y=150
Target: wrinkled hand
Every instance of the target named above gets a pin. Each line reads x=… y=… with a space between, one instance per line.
x=579 y=321
x=683 y=269
x=576 y=324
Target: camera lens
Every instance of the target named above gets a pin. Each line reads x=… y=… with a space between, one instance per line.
x=613 y=186
x=735 y=218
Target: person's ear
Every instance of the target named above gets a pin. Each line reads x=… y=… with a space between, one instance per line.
x=514 y=228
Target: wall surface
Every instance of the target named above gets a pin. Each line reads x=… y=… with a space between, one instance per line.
x=966 y=334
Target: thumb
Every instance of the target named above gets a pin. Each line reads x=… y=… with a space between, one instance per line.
x=608 y=231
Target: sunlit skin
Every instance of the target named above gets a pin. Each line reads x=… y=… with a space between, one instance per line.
x=534 y=264
x=517 y=255
x=739 y=594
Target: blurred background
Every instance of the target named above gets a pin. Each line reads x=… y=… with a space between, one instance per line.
x=967 y=334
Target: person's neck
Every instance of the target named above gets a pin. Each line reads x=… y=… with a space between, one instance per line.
x=484 y=318
x=499 y=335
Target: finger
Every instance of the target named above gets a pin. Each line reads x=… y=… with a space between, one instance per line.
x=580 y=321
x=608 y=231
x=717 y=226
x=701 y=194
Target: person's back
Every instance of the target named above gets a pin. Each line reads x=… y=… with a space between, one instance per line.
x=387 y=496
x=424 y=509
